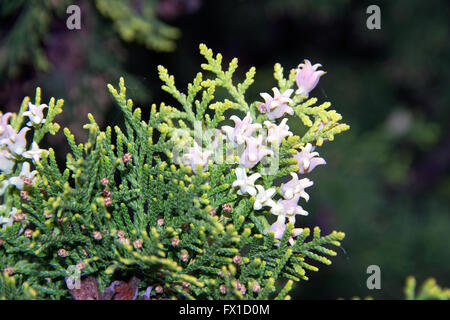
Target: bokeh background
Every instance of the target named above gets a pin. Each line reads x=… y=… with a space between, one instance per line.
x=387 y=182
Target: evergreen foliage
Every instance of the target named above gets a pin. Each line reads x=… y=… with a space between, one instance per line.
x=430 y=290
x=126 y=206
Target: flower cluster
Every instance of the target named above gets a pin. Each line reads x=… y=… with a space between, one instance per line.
x=13 y=153
x=286 y=208
x=241 y=135
x=250 y=145
x=154 y=211
x=277 y=106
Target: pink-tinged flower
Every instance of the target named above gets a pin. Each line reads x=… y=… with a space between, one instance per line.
x=34 y=153
x=24 y=174
x=5 y=129
x=278 y=105
x=254 y=152
x=264 y=197
x=307 y=77
x=245 y=184
x=288 y=208
x=17 y=142
x=276 y=133
x=242 y=129
x=35 y=114
x=296 y=187
x=279 y=227
x=195 y=158
x=6 y=161
x=307 y=160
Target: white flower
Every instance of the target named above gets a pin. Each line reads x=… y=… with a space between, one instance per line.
x=288 y=208
x=277 y=105
x=6 y=161
x=279 y=227
x=307 y=77
x=264 y=197
x=254 y=152
x=242 y=129
x=245 y=184
x=196 y=157
x=307 y=160
x=16 y=142
x=296 y=187
x=24 y=174
x=5 y=129
x=276 y=133
x=35 y=114
x=34 y=153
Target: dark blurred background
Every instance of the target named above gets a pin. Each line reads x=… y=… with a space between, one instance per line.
x=387 y=182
